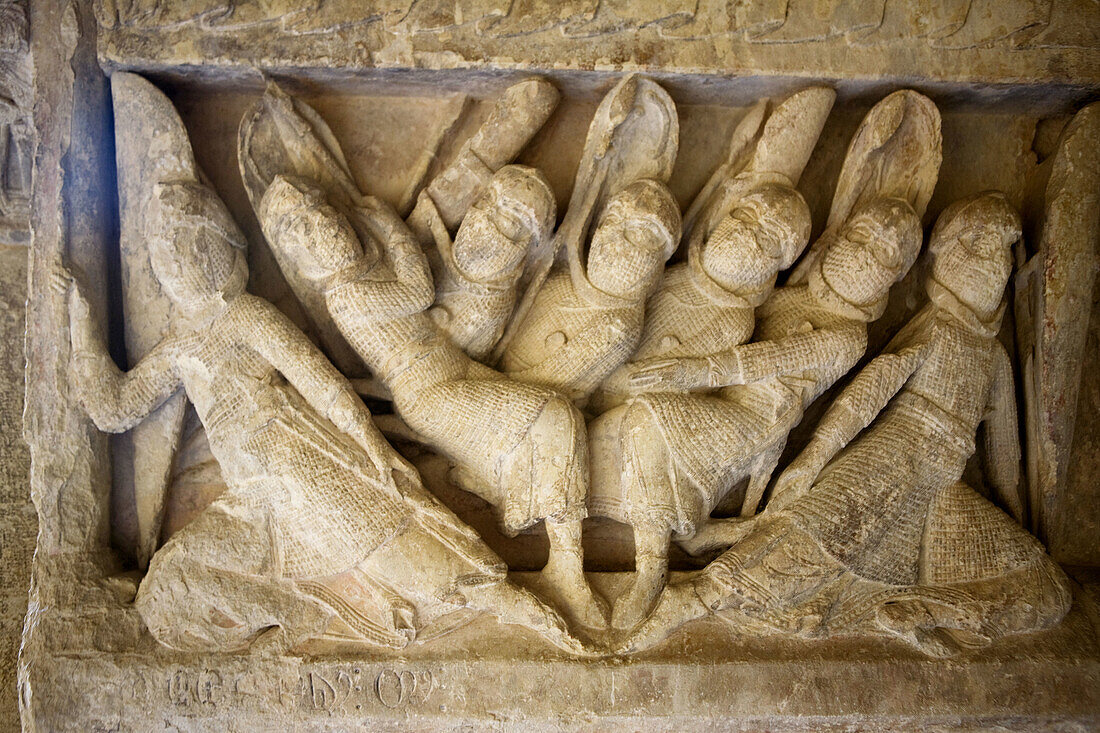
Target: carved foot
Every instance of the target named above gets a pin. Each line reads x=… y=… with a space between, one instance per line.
x=515 y=605
x=678 y=604
x=273 y=642
x=552 y=628
x=914 y=622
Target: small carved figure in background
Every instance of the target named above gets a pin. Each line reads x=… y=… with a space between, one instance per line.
x=871 y=529
x=477 y=276
x=583 y=325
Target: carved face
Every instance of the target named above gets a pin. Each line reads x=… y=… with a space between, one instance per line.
x=197 y=259
x=764 y=234
x=307 y=230
x=327 y=243
x=971 y=248
x=491 y=243
x=873 y=250
x=735 y=257
x=636 y=235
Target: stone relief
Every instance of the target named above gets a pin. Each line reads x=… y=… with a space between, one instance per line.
x=630 y=362
x=321 y=517
x=943 y=24
x=857 y=537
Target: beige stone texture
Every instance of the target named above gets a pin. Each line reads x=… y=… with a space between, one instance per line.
x=421 y=559
x=18 y=522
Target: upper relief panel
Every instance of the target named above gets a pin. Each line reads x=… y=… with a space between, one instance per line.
x=1042 y=41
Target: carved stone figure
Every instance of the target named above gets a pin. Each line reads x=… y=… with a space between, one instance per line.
x=633 y=136
x=477 y=276
x=700 y=307
x=665 y=459
x=521 y=448
x=322 y=516
x=515 y=117
x=877 y=533
x=584 y=324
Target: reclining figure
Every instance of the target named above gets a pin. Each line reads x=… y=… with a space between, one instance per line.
x=323 y=528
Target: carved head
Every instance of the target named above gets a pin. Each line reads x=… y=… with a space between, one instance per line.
x=512 y=217
x=872 y=250
x=636 y=234
x=300 y=224
x=196 y=251
x=764 y=233
x=971 y=250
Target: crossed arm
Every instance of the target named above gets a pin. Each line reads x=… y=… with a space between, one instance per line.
x=747 y=363
x=411 y=290
x=857 y=406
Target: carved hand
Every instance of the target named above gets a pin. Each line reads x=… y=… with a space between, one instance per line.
x=669 y=374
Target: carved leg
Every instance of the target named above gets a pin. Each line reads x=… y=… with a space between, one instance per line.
x=650 y=577
x=716 y=533
x=564 y=573
x=194 y=607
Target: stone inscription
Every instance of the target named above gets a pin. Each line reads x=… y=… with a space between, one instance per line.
x=324 y=689
x=335 y=689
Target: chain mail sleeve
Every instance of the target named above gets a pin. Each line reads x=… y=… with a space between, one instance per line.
x=117 y=401
x=800 y=352
x=868 y=394
x=411 y=289
x=1001 y=444
x=277 y=340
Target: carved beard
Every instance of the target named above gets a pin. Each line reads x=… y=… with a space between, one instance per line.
x=483 y=253
x=978 y=282
x=853 y=272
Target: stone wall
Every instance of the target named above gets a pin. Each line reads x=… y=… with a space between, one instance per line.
x=88 y=661
x=18 y=522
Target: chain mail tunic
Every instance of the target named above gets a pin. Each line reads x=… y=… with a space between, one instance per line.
x=325 y=503
x=471 y=414
x=595 y=340
x=889 y=506
x=888 y=520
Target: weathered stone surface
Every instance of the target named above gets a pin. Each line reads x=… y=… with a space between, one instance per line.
x=1020 y=41
x=18 y=523
x=372 y=108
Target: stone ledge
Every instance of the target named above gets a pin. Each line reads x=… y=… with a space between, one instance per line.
x=703 y=675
